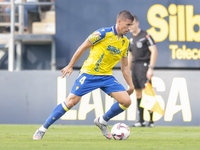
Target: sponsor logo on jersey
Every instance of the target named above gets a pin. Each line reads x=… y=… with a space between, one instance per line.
x=95 y=36
x=139 y=44
x=113 y=50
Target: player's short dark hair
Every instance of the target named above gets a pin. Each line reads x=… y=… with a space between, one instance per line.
x=124 y=15
x=135 y=18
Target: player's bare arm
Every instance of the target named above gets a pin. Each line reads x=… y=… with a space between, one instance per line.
x=153 y=58
x=69 y=68
x=127 y=75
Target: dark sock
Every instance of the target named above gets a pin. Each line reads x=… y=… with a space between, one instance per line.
x=151 y=116
x=141 y=110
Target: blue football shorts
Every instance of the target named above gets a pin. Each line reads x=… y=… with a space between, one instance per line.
x=86 y=83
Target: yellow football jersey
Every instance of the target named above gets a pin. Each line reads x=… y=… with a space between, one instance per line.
x=106 y=52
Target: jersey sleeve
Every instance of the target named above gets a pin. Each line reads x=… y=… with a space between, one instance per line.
x=150 y=40
x=97 y=36
x=126 y=52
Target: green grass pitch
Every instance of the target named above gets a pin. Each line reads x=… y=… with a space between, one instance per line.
x=69 y=137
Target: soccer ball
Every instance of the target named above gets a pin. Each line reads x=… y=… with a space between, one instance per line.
x=120 y=131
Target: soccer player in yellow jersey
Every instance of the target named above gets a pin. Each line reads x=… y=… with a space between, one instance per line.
x=107 y=46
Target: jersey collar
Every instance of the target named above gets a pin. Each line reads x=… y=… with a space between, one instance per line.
x=115 y=31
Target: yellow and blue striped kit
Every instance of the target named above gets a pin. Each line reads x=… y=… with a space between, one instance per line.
x=106 y=52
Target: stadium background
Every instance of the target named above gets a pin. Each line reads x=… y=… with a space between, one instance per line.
x=28 y=96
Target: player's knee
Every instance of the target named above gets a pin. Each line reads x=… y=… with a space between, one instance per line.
x=127 y=103
x=70 y=104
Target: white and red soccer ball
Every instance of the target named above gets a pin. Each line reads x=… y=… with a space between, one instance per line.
x=120 y=131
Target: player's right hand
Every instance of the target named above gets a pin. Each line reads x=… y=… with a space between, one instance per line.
x=67 y=70
x=130 y=90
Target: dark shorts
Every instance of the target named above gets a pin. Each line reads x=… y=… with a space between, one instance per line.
x=139 y=70
x=86 y=83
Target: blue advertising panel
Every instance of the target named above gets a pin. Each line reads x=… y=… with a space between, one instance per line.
x=28 y=97
x=173 y=24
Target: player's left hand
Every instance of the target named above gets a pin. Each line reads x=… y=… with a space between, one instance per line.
x=149 y=73
x=130 y=90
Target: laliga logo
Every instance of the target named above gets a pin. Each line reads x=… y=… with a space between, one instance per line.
x=178 y=91
x=181 y=23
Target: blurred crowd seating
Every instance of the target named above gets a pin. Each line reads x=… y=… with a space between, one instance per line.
x=39 y=22
x=46 y=25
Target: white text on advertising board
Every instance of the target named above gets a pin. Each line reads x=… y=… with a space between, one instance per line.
x=178 y=90
x=179 y=28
